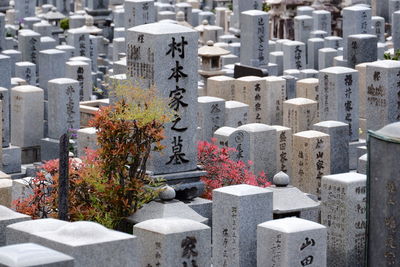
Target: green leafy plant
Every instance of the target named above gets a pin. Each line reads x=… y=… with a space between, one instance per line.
x=64 y=24
x=396 y=55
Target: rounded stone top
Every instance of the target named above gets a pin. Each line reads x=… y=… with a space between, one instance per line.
x=281 y=179
x=204 y=22
x=390 y=131
x=167 y=194
x=53 y=9
x=210 y=43
x=89 y=21
x=180 y=16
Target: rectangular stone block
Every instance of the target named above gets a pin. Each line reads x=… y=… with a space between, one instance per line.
x=299 y=114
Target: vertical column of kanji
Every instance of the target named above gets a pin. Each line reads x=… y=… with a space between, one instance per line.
x=165 y=56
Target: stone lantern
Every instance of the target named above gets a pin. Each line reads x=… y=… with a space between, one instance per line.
x=211 y=62
x=289 y=201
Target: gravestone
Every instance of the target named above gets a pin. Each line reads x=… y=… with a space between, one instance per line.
x=340 y=139
x=322 y=21
x=343 y=212
x=186 y=8
x=361 y=48
x=91 y=244
x=5 y=121
x=179 y=242
x=81 y=72
x=383 y=93
x=29 y=45
x=338 y=87
x=252 y=91
x=234 y=138
x=383 y=196
x=27 y=111
x=396 y=31
x=303 y=26
x=151 y=50
x=2 y=31
x=393 y=6
x=235 y=224
x=138 y=12
x=211 y=116
x=236 y=113
x=299 y=114
x=294 y=55
x=291 y=242
x=333 y=42
x=51 y=66
x=357 y=20
x=30 y=255
x=21 y=232
x=311 y=160
x=254 y=25
x=378 y=28
x=63 y=6
x=305 y=11
x=5 y=71
x=277 y=58
x=15 y=57
x=27 y=71
x=276 y=95
x=221 y=86
x=240 y=6
x=7 y=217
x=262 y=145
x=313 y=47
x=6 y=187
x=283 y=149
x=79 y=38
x=24 y=8
x=87 y=139
x=326 y=57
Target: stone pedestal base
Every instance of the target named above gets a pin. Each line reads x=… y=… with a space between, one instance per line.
x=11 y=159
x=30 y=154
x=186 y=184
x=50 y=149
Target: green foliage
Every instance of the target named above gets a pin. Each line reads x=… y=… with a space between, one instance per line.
x=266 y=7
x=64 y=24
x=396 y=55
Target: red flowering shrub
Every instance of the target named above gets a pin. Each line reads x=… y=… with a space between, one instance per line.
x=223 y=171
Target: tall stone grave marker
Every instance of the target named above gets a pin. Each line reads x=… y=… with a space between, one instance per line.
x=311 y=160
x=27 y=111
x=254 y=50
x=237 y=139
x=27 y=71
x=81 y=72
x=338 y=88
x=322 y=21
x=29 y=45
x=303 y=25
x=236 y=113
x=51 y=66
x=165 y=56
x=294 y=55
x=283 y=149
x=343 y=212
x=383 y=184
x=24 y=8
x=138 y=12
x=235 y=223
x=361 y=48
x=211 y=116
x=221 y=86
x=240 y=6
x=383 y=93
x=5 y=71
x=299 y=114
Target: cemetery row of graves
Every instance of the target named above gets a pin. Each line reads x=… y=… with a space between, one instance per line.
x=199 y=133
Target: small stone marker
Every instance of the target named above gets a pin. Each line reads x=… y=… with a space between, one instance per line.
x=235 y=224
x=343 y=212
x=294 y=55
x=211 y=115
x=138 y=12
x=299 y=114
x=237 y=139
x=236 y=113
x=311 y=160
x=262 y=146
x=291 y=242
x=221 y=86
x=178 y=242
x=27 y=71
x=87 y=139
x=313 y=47
x=339 y=137
x=326 y=57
